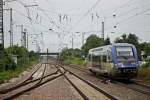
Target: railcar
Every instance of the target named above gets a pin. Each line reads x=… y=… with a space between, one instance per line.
x=118 y=60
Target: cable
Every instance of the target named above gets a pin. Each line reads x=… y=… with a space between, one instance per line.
x=131 y=10
x=130 y=17
x=52 y=22
x=124 y=5
x=85 y=14
x=28 y=13
x=45 y=26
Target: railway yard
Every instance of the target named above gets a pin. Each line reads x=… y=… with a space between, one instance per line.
x=56 y=81
x=74 y=50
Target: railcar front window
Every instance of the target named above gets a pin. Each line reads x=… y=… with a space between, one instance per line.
x=124 y=53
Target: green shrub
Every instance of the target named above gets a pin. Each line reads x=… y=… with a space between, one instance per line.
x=147 y=64
x=2 y=65
x=144 y=74
x=75 y=60
x=22 y=61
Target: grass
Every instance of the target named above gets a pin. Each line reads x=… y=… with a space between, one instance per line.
x=144 y=74
x=75 y=60
x=6 y=75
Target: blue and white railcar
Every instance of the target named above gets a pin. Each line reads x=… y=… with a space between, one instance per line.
x=118 y=60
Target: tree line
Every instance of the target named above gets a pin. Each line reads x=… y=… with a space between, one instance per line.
x=94 y=41
x=23 y=56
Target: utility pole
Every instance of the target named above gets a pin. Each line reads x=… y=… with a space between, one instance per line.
x=11 y=27
x=21 y=26
x=42 y=42
x=24 y=38
x=72 y=41
x=27 y=42
x=47 y=55
x=1 y=26
x=103 y=31
x=83 y=38
x=72 y=46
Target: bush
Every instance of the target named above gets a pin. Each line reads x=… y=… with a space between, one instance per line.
x=2 y=65
x=75 y=60
x=147 y=64
x=144 y=73
x=22 y=61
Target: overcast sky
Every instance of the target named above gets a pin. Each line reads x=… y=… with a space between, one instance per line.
x=76 y=16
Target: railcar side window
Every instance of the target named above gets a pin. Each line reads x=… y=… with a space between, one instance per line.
x=104 y=58
x=109 y=58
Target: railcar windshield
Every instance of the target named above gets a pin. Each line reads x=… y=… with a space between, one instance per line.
x=125 y=53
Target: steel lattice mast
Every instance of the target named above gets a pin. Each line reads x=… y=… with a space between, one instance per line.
x=1 y=26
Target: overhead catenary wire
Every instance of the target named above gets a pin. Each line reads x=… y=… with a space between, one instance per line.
x=85 y=14
x=121 y=17
x=24 y=15
x=28 y=15
x=28 y=12
x=130 y=17
x=132 y=10
x=51 y=21
x=127 y=18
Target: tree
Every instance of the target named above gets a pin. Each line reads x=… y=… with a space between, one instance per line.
x=67 y=53
x=107 y=41
x=92 y=42
x=33 y=55
x=19 y=51
x=145 y=47
x=131 y=38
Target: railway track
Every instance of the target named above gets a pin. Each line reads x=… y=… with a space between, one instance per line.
x=13 y=86
x=30 y=84
x=133 y=84
x=141 y=83
x=77 y=81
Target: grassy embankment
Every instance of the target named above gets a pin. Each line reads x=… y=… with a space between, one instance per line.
x=6 y=75
x=75 y=60
x=144 y=73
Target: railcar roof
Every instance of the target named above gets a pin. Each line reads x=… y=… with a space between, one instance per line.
x=109 y=46
x=121 y=44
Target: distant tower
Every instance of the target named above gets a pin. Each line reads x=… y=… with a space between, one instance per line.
x=1 y=26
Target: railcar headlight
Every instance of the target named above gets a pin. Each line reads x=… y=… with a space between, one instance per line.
x=120 y=64
x=116 y=65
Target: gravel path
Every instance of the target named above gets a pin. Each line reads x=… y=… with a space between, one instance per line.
x=58 y=89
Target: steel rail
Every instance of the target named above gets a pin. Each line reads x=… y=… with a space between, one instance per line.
x=39 y=83
x=20 y=83
x=112 y=97
x=133 y=86
x=135 y=81
x=31 y=88
x=74 y=86
x=26 y=83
